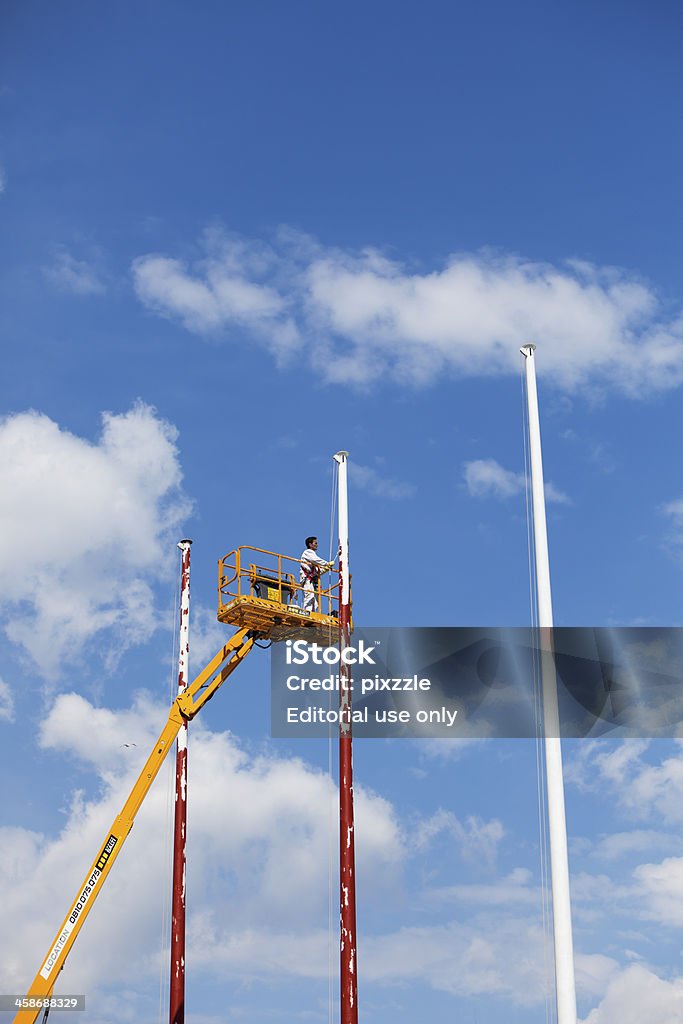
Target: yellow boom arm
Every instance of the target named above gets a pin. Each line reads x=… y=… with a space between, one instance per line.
x=184 y=707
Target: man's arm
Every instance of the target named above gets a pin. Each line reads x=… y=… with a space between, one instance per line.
x=311 y=556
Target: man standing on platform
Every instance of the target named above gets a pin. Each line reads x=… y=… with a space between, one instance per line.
x=312 y=567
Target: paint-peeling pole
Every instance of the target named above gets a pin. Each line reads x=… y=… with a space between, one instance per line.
x=347 y=866
x=557 y=823
x=177 y=988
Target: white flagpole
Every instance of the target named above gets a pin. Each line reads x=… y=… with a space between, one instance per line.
x=557 y=822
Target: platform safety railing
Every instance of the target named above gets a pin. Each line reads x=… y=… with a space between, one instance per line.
x=254 y=572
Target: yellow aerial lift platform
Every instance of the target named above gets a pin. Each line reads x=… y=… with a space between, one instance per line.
x=260 y=593
x=262 y=590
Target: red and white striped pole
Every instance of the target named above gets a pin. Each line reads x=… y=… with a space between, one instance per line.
x=177 y=989
x=347 y=858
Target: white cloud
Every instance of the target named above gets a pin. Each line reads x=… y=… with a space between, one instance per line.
x=446 y=749
x=595 y=762
x=554 y=494
x=593 y=973
x=636 y=995
x=674 y=509
x=486 y=478
x=673 y=541
x=653 y=892
x=518 y=888
x=476 y=839
x=642 y=788
x=587 y=888
x=500 y=959
x=501 y=956
x=86 y=529
x=235 y=284
x=369 y=479
x=68 y=274
x=6 y=703
x=360 y=317
x=622 y=844
x=662 y=886
x=100 y=737
x=262 y=831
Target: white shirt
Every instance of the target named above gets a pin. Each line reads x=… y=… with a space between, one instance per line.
x=315 y=565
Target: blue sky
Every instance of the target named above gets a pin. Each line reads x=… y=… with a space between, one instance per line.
x=240 y=237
